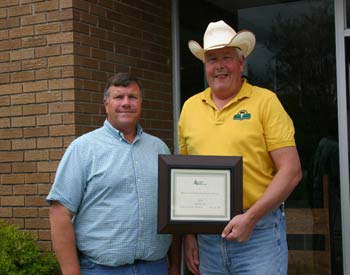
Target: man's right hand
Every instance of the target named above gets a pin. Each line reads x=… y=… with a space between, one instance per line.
x=191 y=254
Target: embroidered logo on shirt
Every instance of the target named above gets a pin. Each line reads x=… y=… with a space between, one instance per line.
x=242 y=114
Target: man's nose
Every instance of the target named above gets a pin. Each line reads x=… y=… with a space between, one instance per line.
x=219 y=63
x=125 y=101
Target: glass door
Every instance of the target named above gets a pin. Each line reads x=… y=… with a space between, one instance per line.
x=294 y=57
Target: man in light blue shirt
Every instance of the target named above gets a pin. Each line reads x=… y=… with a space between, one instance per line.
x=104 y=199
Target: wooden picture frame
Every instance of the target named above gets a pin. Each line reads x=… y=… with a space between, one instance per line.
x=198 y=194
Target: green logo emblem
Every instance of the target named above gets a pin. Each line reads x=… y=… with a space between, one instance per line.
x=242 y=114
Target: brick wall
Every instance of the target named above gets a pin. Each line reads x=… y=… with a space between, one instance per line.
x=55 y=57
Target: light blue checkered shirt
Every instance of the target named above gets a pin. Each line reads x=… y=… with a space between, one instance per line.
x=112 y=186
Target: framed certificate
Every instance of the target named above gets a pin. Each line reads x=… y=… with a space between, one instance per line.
x=198 y=194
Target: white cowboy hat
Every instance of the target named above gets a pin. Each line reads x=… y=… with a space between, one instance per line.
x=219 y=35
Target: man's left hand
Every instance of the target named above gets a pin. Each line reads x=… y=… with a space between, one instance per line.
x=239 y=229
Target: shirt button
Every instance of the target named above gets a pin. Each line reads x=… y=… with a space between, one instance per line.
x=138 y=179
x=141 y=218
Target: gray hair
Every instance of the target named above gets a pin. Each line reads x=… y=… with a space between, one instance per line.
x=121 y=79
x=239 y=53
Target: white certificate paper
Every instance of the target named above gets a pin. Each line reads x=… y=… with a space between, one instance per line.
x=198 y=194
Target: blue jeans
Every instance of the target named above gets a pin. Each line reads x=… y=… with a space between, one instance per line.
x=159 y=267
x=266 y=252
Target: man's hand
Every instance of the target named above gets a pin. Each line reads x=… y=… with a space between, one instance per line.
x=239 y=229
x=191 y=254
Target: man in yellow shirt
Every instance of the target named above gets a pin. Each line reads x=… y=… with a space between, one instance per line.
x=233 y=117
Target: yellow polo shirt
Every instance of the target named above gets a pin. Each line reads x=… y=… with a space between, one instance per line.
x=253 y=123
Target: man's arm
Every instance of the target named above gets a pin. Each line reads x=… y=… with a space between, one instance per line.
x=63 y=239
x=288 y=174
x=174 y=256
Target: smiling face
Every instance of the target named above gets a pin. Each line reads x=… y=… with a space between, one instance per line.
x=123 y=107
x=224 y=68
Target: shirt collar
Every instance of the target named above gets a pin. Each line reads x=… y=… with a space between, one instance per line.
x=118 y=134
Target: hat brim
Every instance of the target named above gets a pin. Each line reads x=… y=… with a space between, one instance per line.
x=245 y=40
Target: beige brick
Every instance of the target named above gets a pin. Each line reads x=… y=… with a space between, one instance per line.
x=5 y=101
x=24 y=167
x=19 y=222
x=43 y=189
x=62 y=130
x=8 y=23
x=33 y=19
x=68 y=26
x=11 y=156
x=49 y=120
x=37 y=223
x=22 y=99
x=4 y=57
x=35 y=86
x=34 y=64
x=37 y=178
x=12 y=201
x=5 y=212
x=44 y=211
x=11 y=89
x=62 y=15
x=3 y=13
x=12 y=179
x=48 y=73
x=22 y=32
x=71 y=119
x=4 y=35
x=5 y=145
x=60 y=38
x=48 y=51
x=67 y=48
x=4 y=79
x=69 y=72
x=5 y=189
x=49 y=96
x=47 y=166
x=20 y=10
x=5 y=122
x=24 y=190
x=69 y=95
x=23 y=144
x=58 y=84
x=22 y=76
x=5 y=168
x=49 y=142
x=33 y=42
x=45 y=235
x=36 y=132
x=46 y=29
x=35 y=155
x=68 y=140
x=25 y=212
x=62 y=107
x=10 y=67
x=64 y=4
x=46 y=6
x=10 y=111
x=10 y=133
x=64 y=60
x=35 y=201
x=56 y=154
x=88 y=108
x=22 y=54
x=22 y=121
x=38 y=109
